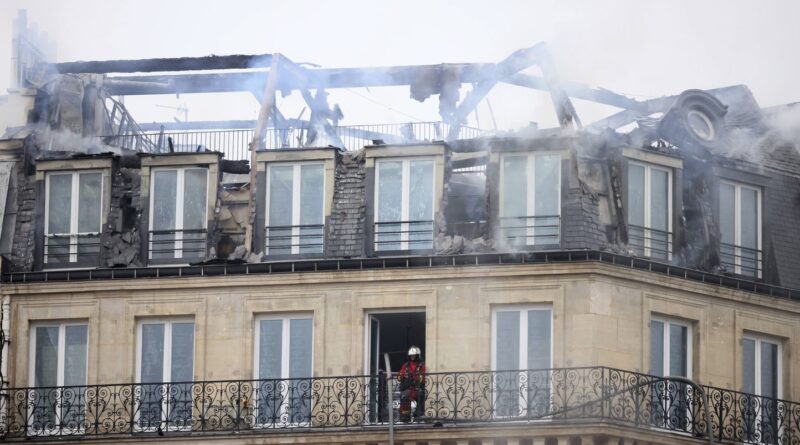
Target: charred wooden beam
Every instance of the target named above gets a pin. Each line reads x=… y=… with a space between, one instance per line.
x=238 y=61
x=318 y=78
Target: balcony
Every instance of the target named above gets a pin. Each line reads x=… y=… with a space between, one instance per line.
x=648 y=242
x=740 y=260
x=539 y=230
x=537 y=398
x=298 y=239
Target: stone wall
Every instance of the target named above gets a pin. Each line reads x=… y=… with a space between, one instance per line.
x=24 y=230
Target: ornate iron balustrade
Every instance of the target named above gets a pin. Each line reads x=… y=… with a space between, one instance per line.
x=547 y=395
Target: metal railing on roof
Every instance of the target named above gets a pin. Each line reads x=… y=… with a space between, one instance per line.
x=546 y=396
x=234 y=143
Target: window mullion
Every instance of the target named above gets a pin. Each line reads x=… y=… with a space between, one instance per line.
x=179 y=200
x=737 y=228
x=73 y=218
x=648 y=209
x=296 y=208
x=757 y=366
x=530 y=222
x=405 y=185
x=666 y=348
x=523 y=340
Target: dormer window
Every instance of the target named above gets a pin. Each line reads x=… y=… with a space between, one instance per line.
x=295 y=208
x=294 y=195
x=530 y=199
x=404 y=204
x=73 y=217
x=740 y=228
x=406 y=185
x=73 y=195
x=179 y=191
x=178 y=218
x=649 y=210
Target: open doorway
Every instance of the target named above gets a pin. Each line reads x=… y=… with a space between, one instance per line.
x=391 y=332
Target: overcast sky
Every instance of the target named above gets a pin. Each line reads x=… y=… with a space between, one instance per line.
x=641 y=48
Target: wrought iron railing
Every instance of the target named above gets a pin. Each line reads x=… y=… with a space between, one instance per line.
x=66 y=248
x=299 y=239
x=648 y=242
x=174 y=244
x=547 y=395
x=404 y=235
x=740 y=260
x=235 y=143
x=518 y=231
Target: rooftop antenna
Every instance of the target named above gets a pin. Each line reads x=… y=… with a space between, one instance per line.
x=180 y=109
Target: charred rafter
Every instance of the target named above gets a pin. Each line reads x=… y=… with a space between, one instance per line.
x=238 y=61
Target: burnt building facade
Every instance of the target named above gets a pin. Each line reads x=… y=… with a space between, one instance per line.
x=577 y=285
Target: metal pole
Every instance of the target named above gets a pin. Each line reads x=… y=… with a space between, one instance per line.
x=390 y=407
x=696 y=386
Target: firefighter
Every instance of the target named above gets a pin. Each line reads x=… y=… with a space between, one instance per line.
x=412 y=385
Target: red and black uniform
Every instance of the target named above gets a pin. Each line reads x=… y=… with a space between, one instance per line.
x=412 y=388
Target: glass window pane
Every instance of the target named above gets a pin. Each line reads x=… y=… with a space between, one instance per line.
x=312 y=191
x=514 y=200
x=90 y=201
x=539 y=339
x=678 y=350
x=59 y=203
x=420 y=202
x=507 y=340
x=390 y=180
x=390 y=197
x=548 y=185
x=46 y=361
x=165 y=187
x=75 y=344
x=270 y=349
x=195 y=191
x=749 y=365
x=279 y=220
x=656 y=348
x=659 y=204
x=726 y=213
x=300 y=346
x=152 y=353
x=547 y=188
x=749 y=232
x=636 y=195
x=182 y=352
x=515 y=186
x=769 y=369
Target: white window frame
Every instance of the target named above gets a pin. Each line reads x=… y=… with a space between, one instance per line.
x=296 y=169
x=667 y=345
x=285 y=353
x=60 y=365
x=737 y=225
x=405 y=198
x=166 y=364
x=523 y=342
x=758 y=339
x=179 y=201
x=648 y=205
x=530 y=175
x=74 y=207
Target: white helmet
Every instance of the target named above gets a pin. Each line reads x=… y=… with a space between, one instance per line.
x=414 y=351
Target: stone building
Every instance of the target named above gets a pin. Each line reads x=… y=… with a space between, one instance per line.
x=566 y=286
